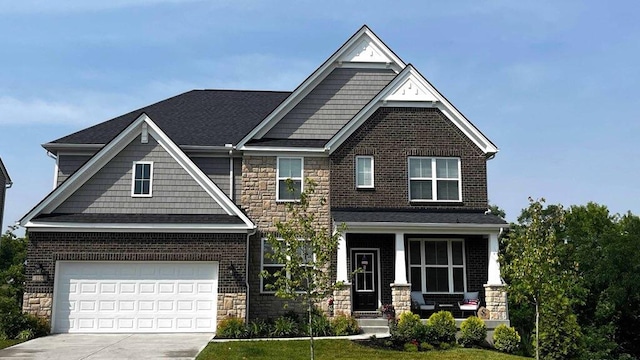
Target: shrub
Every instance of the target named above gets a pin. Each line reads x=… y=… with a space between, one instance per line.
x=285 y=326
x=506 y=339
x=258 y=328
x=344 y=325
x=231 y=328
x=425 y=346
x=411 y=347
x=474 y=332
x=407 y=328
x=443 y=327
x=320 y=325
x=12 y=320
x=26 y=334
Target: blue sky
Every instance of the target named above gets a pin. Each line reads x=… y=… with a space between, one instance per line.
x=552 y=83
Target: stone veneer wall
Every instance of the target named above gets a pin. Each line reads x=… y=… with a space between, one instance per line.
x=495 y=297
x=46 y=248
x=258 y=200
x=401 y=297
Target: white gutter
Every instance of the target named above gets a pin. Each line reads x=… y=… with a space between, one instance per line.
x=246 y=275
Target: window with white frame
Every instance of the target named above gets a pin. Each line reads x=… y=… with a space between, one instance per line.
x=434 y=179
x=142 y=181
x=271 y=266
x=289 y=168
x=437 y=266
x=364 y=172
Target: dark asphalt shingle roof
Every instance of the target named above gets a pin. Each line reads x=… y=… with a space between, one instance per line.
x=140 y=219
x=197 y=117
x=288 y=142
x=415 y=217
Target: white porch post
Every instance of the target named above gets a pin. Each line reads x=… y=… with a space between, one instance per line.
x=341 y=272
x=494 y=265
x=401 y=266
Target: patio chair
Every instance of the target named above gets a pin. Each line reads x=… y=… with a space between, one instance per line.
x=418 y=303
x=470 y=302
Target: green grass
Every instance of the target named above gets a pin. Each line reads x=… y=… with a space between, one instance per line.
x=7 y=343
x=333 y=349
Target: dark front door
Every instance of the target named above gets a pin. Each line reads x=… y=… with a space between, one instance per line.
x=365 y=282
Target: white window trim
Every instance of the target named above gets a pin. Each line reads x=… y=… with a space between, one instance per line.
x=278 y=178
x=423 y=265
x=371 y=186
x=133 y=179
x=262 y=266
x=434 y=179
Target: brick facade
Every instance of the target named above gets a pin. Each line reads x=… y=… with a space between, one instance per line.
x=258 y=199
x=393 y=134
x=45 y=248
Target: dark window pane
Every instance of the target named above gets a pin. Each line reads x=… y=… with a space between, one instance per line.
x=458 y=280
x=285 y=194
x=137 y=189
x=456 y=252
x=416 y=279
x=414 y=252
x=145 y=187
x=437 y=280
x=146 y=171
x=421 y=190
x=441 y=251
x=271 y=279
x=138 y=171
x=447 y=190
x=430 y=253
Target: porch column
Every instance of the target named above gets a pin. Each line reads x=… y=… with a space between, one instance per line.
x=494 y=265
x=341 y=272
x=401 y=265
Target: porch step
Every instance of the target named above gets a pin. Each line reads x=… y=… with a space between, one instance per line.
x=373 y=325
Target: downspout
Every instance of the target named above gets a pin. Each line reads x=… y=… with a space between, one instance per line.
x=246 y=275
x=55 y=169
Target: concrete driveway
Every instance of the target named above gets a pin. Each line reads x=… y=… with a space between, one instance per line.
x=109 y=346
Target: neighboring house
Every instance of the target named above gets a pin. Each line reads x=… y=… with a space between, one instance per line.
x=158 y=218
x=5 y=183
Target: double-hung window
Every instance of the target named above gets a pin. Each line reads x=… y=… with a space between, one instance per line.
x=364 y=172
x=289 y=169
x=271 y=266
x=434 y=179
x=437 y=266
x=141 y=184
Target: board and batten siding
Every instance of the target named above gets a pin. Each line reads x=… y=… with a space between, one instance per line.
x=331 y=104
x=109 y=190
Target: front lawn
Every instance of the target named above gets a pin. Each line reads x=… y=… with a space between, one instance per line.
x=333 y=349
x=7 y=343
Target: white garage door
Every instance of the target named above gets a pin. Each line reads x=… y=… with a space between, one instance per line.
x=110 y=297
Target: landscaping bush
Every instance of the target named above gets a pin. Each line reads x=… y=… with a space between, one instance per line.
x=320 y=325
x=285 y=326
x=344 y=325
x=231 y=328
x=474 y=332
x=411 y=347
x=258 y=328
x=506 y=339
x=407 y=329
x=443 y=327
x=12 y=320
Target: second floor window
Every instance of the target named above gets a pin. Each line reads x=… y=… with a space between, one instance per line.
x=364 y=172
x=142 y=179
x=289 y=168
x=434 y=179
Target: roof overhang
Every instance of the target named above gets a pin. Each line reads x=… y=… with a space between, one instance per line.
x=43 y=226
x=7 y=179
x=425 y=228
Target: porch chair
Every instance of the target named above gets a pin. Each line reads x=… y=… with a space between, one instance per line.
x=470 y=302
x=418 y=303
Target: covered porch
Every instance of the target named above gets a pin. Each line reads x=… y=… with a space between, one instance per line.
x=384 y=256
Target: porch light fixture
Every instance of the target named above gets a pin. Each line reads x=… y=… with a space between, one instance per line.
x=39 y=274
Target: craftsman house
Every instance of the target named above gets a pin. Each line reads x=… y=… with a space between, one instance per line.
x=158 y=217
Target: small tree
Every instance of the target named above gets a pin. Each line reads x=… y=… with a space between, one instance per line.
x=306 y=249
x=534 y=262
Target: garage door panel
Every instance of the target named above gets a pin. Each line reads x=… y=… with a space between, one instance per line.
x=135 y=297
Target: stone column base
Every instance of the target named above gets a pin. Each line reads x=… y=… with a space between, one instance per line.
x=232 y=304
x=495 y=297
x=342 y=300
x=401 y=297
x=38 y=304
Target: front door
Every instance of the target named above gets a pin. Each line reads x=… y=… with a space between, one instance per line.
x=365 y=284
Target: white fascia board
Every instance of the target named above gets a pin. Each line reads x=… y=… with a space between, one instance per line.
x=388 y=97
x=88 y=148
x=276 y=151
x=426 y=228
x=156 y=228
x=317 y=76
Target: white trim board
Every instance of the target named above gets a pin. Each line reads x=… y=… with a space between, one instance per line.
x=109 y=151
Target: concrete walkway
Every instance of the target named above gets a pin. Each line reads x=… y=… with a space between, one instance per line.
x=109 y=346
